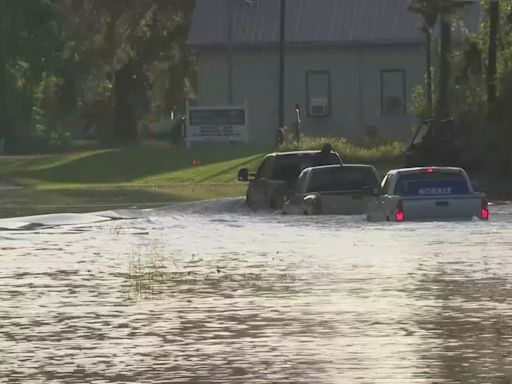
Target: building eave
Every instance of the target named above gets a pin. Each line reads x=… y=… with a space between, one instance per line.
x=308 y=45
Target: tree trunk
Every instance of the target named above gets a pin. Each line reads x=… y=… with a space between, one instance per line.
x=125 y=120
x=443 y=104
x=175 y=94
x=494 y=16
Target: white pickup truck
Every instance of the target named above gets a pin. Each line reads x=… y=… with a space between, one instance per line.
x=431 y=193
x=334 y=190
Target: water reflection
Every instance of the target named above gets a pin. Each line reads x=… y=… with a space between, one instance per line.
x=471 y=321
x=190 y=295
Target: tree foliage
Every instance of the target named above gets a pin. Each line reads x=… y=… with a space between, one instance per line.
x=481 y=109
x=91 y=68
x=29 y=43
x=433 y=13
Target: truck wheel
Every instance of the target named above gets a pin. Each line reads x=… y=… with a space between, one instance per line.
x=249 y=201
x=276 y=202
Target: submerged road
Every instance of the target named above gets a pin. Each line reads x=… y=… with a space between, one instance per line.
x=213 y=293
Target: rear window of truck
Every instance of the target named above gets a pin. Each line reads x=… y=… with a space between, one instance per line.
x=431 y=184
x=289 y=167
x=344 y=178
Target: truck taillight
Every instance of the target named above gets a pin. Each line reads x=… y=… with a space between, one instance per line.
x=484 y=214
x=399 y=211
x=317 y=206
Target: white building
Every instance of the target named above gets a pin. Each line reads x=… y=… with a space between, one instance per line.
x=352 y=65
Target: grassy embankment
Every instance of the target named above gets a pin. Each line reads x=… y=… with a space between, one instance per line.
x=143 y=176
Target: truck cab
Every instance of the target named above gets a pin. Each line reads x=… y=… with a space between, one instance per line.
x=334 y=190
x=275 y=179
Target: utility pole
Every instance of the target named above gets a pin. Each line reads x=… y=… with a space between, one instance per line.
x=3 y=77
x=230 y=50
x=282 y=39
x=494 y=17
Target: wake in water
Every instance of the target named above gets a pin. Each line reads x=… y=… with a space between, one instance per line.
x=232 y=206
x=211 y=207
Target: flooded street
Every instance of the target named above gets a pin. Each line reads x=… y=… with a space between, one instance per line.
x=212 y=293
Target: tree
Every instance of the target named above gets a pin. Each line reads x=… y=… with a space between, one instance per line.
x=132 y=35
x=94 y=56
x=29 y=44
x=429 y=11
x=432 y=12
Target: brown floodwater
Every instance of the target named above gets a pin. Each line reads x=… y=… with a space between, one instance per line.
x=212 y=293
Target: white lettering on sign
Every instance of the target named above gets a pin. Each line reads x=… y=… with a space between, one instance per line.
x=435 y=191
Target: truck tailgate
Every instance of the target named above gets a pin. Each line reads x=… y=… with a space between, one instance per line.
x=345 y=202
x=442 y=207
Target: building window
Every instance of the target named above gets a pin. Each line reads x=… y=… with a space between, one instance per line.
x=318 y=93
x=392 y=92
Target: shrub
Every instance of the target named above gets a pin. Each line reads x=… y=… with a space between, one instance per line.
x=386 y=153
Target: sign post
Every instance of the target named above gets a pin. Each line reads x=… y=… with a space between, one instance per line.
x=217 y=124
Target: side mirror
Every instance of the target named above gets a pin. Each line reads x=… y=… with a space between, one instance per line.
x=474 y=185
x=371 y=190
x=243 y=175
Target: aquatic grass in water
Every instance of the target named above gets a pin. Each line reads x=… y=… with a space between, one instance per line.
x=149 y=270
x=153 y=271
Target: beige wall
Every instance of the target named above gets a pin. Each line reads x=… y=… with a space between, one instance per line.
x=355 y=88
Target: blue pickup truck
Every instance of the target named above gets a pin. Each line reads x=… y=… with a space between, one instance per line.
x=426 y=194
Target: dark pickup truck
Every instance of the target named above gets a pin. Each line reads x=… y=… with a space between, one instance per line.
x=277 y=175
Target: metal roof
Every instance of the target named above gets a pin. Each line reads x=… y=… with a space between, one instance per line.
x=315 y=22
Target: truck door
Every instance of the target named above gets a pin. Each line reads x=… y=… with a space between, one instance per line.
x=376 y=208
x=258 y=188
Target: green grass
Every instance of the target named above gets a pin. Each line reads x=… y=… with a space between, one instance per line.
x=131 y=166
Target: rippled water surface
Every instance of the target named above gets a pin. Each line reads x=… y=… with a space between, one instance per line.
x=212 y=293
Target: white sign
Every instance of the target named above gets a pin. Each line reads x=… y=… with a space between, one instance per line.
x=217 y=125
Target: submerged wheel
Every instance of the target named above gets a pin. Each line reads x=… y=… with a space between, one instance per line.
x=249 y=201
x=276 y=202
